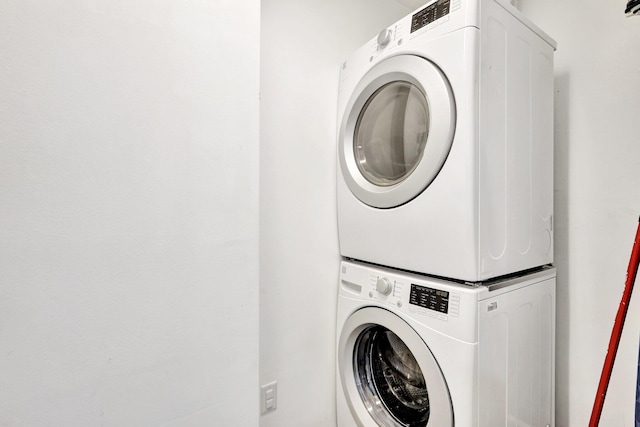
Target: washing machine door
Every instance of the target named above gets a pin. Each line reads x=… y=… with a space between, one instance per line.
x=397 y=131
x=389 y=376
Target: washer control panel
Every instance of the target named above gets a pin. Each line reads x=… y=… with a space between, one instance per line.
x=416 y=298
x=448 y=307
x=433 y=299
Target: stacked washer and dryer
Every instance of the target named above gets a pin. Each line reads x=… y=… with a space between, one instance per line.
x=446 y=306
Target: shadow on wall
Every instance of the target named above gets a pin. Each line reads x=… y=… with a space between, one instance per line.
x=561 y=249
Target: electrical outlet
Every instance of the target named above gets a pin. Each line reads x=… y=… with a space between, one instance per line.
x=269 y=397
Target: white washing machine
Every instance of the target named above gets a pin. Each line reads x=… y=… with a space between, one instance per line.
x=414 y=351
x=445 y=143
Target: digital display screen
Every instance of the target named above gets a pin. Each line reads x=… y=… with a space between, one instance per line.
x=429 y=14
x=433 y=299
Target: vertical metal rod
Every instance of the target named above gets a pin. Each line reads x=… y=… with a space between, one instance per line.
x=632 y=270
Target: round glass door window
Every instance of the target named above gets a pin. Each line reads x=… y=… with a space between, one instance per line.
x=396 y=132
x=389 y=379
x=391 y=133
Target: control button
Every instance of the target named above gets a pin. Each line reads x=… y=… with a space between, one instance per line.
x=384 y=38
x=399 y=304
x=383 y=286
x=442 y=317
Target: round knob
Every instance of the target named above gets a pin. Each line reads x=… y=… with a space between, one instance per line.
x=384 y=38
x=383 y=286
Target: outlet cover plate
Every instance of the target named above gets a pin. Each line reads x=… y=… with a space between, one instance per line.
x=269 y=397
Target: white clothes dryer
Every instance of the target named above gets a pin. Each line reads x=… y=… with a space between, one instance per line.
x=445 y=144
x=414 y=351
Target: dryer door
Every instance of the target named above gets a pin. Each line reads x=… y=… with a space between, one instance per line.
x=389 y=376
x=397 y=131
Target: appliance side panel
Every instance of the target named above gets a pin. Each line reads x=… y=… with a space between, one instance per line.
x=519 y=149
x=516 y=357
x=542 y=93
x=547 y=351
x=516 y=143
x=493 y=143
x=493 y=365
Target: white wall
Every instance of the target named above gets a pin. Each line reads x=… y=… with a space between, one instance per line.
x=303 y=44
x=129 y=213
x=597 y=198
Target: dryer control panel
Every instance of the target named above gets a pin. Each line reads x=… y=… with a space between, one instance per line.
x=430 y=14
x=436 y=18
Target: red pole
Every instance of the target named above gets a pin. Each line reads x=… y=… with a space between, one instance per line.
x=632 y=270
